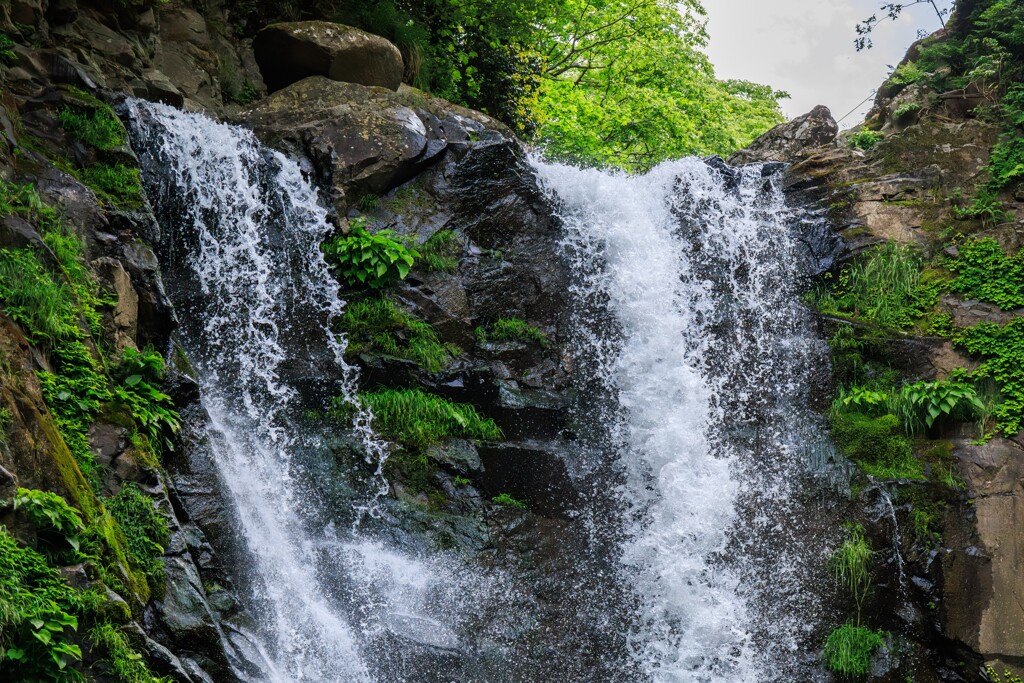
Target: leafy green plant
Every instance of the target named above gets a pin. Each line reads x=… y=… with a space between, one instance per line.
x=1007 y=677
x=907 y=73
x=58 y=525
x=38 y=613
x=985 y=272
x=865 y=139
x=124 y=661
x=365 y=259
x=145 y=530
x=34 y=299
x=886 y=286
x=441 y=251
x=511 y=328
x=98 y=127
x=849 y=649
x=7 y=54
x=138 y=376
x=861 y=399
x=380 y=324
x=508 y=501
x=1002 y=348
x=985 y=207
x=922 y=403
x=416 y=419
x=850 y=565
x=369 y=202
x=906 y=111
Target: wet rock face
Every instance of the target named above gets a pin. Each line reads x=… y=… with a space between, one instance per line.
x=784 y=142
x=289 y=52
x=365 y=140
x=982 y=577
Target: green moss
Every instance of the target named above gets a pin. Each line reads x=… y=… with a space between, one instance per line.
x=441 y=252
x=876 y=445
x=98 y=127
x=117 y=184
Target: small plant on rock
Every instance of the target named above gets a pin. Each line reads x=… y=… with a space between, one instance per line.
x=507 y=500
x=504 y=329
x=849 y=649
x=865 y=139
x=366 y=259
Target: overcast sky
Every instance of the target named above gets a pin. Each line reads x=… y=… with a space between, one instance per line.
x=805 y=47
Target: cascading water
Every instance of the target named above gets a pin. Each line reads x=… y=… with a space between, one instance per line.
x=687 y=320
x=247 y=230
x=687 y=278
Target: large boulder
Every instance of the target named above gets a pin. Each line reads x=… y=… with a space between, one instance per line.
x=366 y=140
x=785 y=141
x=291 y=51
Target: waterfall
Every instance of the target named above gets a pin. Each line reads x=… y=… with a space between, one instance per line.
x=243 y=229
x=688 y=309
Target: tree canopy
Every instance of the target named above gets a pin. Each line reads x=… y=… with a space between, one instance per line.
x=622 y=83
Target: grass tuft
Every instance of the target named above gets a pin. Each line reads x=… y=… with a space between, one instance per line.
x=849 y=649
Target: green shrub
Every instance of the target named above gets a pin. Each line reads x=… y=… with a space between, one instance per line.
x=38 y=614
x=7 y=54
x=906 y=110
x=99 y=127
x=921 y=404
x=138 y=376
x=850 y=565
x=124 y=661
x=117 y=184
x=876 y=445
x=508 y=501
x=865 y=139
x=986 y=273
x=512 y=328
x=365 y=259
x=58 y=525
x=380 y=324
x=849 y=649
x=907 y=73
x=441 y=252
x=145 y=530
x=1002 y=349
x=416 y=419
x=985 y=207
x=886 y=287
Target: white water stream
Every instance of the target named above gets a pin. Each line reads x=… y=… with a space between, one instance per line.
x=698 y=341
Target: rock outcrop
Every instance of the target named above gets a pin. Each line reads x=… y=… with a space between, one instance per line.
x=787 y=140
x=290 y=52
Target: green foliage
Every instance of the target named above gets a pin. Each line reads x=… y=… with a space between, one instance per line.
x=124 y=661
x=508 y=501
x=416 y=419
x=379 y=324
x=1002 y=349
x=876 y=445
x=98 y=127
x=906 y=110
x=38 y=615
x=145 y=530
x=117 y=184
x=37 y=302
x=907 y=73
x=986 y=273
x=7 y=54
x=441 y=252
x=849 y=649
x=1007 y=677
x=58 y=525
x=512 y=328
x=365 y=259
x=369 y=202
x=138 y=376
x=850 y=565
x=886 y=287
x=985 y=207
x=865 y=139
x=922 y=403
